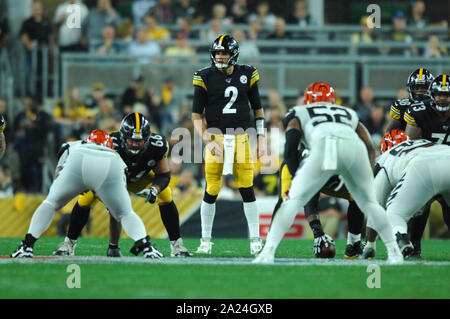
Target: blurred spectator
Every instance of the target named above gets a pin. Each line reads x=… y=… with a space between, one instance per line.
x=84 y=126
x=214 y=31
x=154 y=31
x=255 y=31
x=162 y=12
x=365 y=36
x=31 y=127
x=433 y=48
x=109 y=45
x=186 y=9
x=181 y=48
x=417 y=16
x=35 y=32
x=300 y=15
x=239 y=11
x=219 y=11
x=143 y=47
x=6 y=185
x=331 y=213
x=125 y=31
x=186 y=184
x=274 y=100
x=263 y=16
x=69 y=38
x=139 y=8
x=185 y=28
x=375 y=123
x=4 y=32
x=4 y=113
x=98 y=93
x=248 y=50
x=264 y=184
x=100 y=16
x=364 y=107
x=107 y=118
x=399 y=34
x=279 y=32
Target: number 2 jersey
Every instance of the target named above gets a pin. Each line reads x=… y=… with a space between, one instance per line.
x=423 y=115
x=225 y=98
x=322 y=119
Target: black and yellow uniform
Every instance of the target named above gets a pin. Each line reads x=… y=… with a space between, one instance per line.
x=398 y=109
x=225 y=101
x=140 y=173
x=422 y=114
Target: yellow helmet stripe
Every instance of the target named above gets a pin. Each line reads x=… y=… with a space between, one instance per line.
x=221 y=39
x=444 y=80
x=138 y=123
x=420 y=74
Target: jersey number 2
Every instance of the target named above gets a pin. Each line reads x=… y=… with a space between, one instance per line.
x=231 y=92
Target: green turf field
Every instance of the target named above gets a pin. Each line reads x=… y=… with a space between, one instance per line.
x=211 y=280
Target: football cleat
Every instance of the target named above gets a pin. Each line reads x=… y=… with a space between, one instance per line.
x=66 y=248
x=255 y=246
x=113 y=252
x=177 y=249
x=266 y=256
x=417 y=252
x=205 y=246
x=368 y=253
x=353 y=251
x=395 y=257
x=405 y=245
x=23 y=251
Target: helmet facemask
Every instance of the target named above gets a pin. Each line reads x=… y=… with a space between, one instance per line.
x=442 y=101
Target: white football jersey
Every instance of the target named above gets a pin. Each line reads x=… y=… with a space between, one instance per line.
x=395 y=160
x=83 y=147
x=322 y=119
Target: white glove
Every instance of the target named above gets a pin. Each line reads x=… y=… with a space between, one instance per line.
x=153 y=253
x=150 y=194
x=327 y=240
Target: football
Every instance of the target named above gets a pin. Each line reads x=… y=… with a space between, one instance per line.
x=327 y=252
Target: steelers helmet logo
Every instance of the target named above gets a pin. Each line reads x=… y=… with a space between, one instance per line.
x=243 y=79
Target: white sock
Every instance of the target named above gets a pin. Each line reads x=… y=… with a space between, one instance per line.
x=251 y=213
x=42 y=218
x=73 y=241
x=207 y=213
x=352 y=238
x=371 y=244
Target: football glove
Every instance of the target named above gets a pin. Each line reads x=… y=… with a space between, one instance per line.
x=325 y=239
x=150 y=194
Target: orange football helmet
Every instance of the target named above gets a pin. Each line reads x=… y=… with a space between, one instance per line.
x=319 y=92
x=100 y=137
x=392 y=138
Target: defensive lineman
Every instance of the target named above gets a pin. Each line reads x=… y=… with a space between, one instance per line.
x=90 y=164
x=328 y=130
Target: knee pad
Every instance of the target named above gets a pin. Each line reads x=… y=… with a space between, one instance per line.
x=248 y=194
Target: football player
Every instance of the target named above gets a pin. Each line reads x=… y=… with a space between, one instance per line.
x=334 y=187
x=410 y=174
x=223 y=92
x=89 y=164
x=148 y=175
x=2 y=136
x=329 y=131
x=417 y=86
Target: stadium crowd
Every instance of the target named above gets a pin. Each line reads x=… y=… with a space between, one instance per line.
x=105 y=31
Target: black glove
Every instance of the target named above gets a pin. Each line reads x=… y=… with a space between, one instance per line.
x=150 y=194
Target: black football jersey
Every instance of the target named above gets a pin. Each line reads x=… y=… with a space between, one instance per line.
x=228 y=96
x=423 y=115
x=140 y=165
x=398 y=109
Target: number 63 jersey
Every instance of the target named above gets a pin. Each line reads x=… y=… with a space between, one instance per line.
x=225 y=98
x=322 y=119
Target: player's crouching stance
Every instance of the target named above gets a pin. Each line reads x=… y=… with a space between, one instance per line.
x=336 y=140
x=90 y=164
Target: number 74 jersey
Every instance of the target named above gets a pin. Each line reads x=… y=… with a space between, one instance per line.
x=322 y=119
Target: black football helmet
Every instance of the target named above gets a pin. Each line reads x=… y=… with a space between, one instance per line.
x=440 y=86
x=225 y=43
x=135 y=127
x=419 y=79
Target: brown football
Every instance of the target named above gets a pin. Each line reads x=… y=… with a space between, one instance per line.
x=327 y=252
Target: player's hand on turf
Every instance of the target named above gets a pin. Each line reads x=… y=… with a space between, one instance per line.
x=318 y=241
x=150 y=194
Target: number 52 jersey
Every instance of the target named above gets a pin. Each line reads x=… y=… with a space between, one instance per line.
x=322 y=119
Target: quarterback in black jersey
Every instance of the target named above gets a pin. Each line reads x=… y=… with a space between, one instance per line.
x=431 y=121
x=148 y=175
x=223 y=92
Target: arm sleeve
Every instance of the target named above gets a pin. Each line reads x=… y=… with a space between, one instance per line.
x=254 y=98
x=200 y=100
x=291 y=153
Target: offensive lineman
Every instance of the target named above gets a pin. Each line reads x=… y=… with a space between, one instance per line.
x=148 y=175
x=91 y=164
x=329 y=131
x=223 y=92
